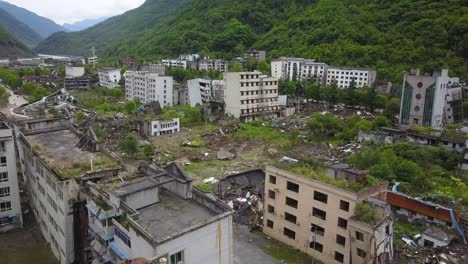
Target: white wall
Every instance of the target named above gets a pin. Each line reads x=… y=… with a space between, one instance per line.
x=210 y=244
x=74 y=71
x=142 y=198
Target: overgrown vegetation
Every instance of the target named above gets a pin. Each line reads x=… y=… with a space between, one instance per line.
x=189 y=116
x=4 y=96
x=329 y=127
x=316 y=172
x=261 y=130
x=106 y=101
x=366 y=213
x=10 y=78
x=206 y=187
x=420 y=169
x=34 y=92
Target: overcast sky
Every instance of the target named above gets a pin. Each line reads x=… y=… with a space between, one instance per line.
x=70 y=11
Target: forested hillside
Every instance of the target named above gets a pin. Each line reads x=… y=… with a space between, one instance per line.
x=41 y=25
x=108 y=35
x=18 y=29
x=10 y=47
x=391 y=36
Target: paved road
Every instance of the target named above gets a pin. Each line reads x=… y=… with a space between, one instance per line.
x=247 y=248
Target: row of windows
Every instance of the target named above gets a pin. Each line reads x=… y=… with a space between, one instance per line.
x=340 y=240
x=259 y=109
x=349 y=73
x=247 y=84
x=3 y=161
x=274 y=91
x=254 y=101
x=318 y=196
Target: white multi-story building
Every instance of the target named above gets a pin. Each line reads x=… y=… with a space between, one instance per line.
x=301 y=69
x=158 y=128
x=74 y=72
x=158 y=215
x=109 y=77
x=251 y=96
x=56 y=160
x=10 y=204
x=343 y=77
x=210 y=65
x=175 y=63
x=429 y=100
x=149 y=87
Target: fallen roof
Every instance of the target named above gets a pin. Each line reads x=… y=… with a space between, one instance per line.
x=171 y=215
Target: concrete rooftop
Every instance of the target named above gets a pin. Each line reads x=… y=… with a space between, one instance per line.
x=172 y=215
x=60 y=146
x=60 y=151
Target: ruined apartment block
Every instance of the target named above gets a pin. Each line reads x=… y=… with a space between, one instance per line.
x=322 y=220
x=56 y=159
x=251 y=96
x=149 y=87
x=10 y=204
x=158 y=215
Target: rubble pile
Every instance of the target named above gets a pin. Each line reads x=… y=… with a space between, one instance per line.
x=243 y=192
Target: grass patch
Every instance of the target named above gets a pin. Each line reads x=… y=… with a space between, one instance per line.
x=283 y=252
x=318 y=173
x=258 y=130
x=206 y=187
x=405 y=227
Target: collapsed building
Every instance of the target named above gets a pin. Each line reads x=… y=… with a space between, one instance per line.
x=158 y=215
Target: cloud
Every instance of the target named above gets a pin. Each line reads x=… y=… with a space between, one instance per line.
x=70 y=11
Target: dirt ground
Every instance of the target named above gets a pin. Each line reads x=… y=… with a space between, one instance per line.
x=25 y=245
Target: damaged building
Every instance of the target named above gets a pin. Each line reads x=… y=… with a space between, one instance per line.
x=56 y=160
x=328 y=222
x=158 y=215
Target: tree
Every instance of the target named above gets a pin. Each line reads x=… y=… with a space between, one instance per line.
x=236 y=67
x=264 y=67
x=4 y=97
x=251 y=64
x=331 y=93
x=324 y=125
x=371 y=98
x=123 y=70
x=313 y=91
x=130 y=144
x=350 y=95
x=148 y=151
x=392 y=107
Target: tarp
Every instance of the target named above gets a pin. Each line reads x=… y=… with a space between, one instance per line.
x=119 y=251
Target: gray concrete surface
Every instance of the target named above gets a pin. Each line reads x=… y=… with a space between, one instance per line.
x=247 y=249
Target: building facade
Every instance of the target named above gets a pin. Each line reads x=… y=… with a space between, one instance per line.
x=202 y=91
x=301 y=69
x=77 y=83
x=161 y=127
x=109 y=77
x=343 y=77
x=429 y=100
x=159 y=215
x=74 y=72
x=175 y=63
x=258 y=55
x=320 y=219
x=48 y=148
x=251 y=96
x=10 y=203
x=157 y=68
x=149 y=87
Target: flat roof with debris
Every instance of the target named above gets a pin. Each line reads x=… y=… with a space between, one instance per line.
x=135 y=186
x=59 y=149
x=172 y=215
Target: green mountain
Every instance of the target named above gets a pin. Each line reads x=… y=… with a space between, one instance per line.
x=19 y=30
x=108 y=35
x=391 y=36
x=41 y=25
x=10 y=47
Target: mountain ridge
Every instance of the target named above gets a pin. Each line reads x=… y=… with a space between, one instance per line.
x=41 y=25
x=18 y=29
x=83 y=24
x=10 y=47
x=390 y=36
